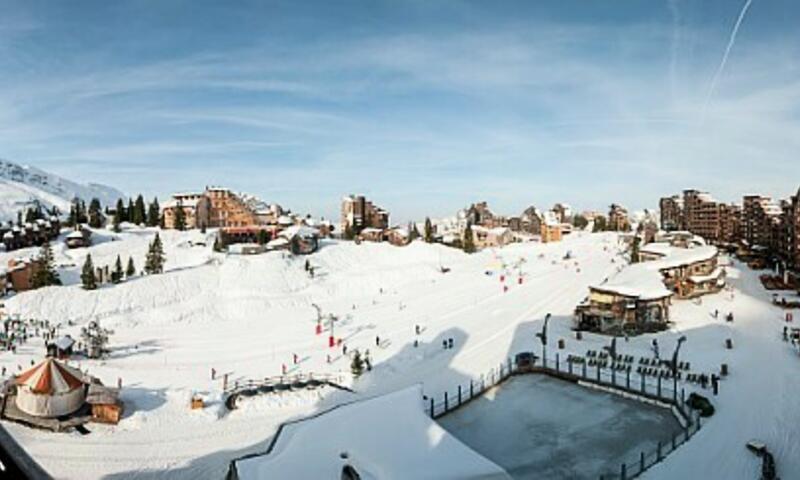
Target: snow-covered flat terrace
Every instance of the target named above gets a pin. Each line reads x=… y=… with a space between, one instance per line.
x=535 y=426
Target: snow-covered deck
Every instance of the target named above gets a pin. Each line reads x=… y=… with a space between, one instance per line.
x=387 y=437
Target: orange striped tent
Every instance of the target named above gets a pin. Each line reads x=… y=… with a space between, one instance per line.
x=50 y=389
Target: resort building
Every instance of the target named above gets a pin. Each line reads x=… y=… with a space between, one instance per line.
x=20 y=273
x=483 y=237
x=550 y=228
x=638 y=298
x=358 y=213
x=563 y=212
x=671 y=209
x=228 y=209
x=196 y=210
x=618 y=220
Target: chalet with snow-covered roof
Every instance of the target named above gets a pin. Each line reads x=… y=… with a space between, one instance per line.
x=371 y=234
x=398 y=236
x=637 y=298
x=80 y=238
x=483 y=237
x=301 y=239
x=551 y=227
x=21 y=271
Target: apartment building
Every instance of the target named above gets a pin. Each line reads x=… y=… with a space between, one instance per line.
x=359 y=213
x=196 y=210
x=671 y=209
x=618 y=218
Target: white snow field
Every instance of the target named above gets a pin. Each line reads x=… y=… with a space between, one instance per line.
x=248 y=315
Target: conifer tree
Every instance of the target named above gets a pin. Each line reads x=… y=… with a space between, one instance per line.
x=635 y=249
x=116 y=275
x=131 y=269
x=46 y=274
x=116 y=223
x=428 y=230
x=96 y=219
x=87 y=274
x=154 y=263
x=357 y=365
x=129 y=211
x=139 y=214
x=180 y=217
x=469 y=242
x=154 y=214
x=120 y=216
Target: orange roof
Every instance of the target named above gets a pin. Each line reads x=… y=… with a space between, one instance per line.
x=49 y=377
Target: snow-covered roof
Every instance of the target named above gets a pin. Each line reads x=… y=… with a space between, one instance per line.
x=706 y=278
x=278 y=242
x=645 y=281
x=185 y=202
x=640 y=280
x=299 y=230
x=371 y=230
x=285 y=220
x=551 y=219
x=239 y=248
x=64 y=342
x=389 y=436
x=77 y=234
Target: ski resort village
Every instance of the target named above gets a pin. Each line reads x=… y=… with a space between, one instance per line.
x=216 y=335
x=400 y=240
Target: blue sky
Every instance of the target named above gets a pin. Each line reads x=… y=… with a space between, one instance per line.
x=425 y=106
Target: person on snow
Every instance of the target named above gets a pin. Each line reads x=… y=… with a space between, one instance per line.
x=655 y=348
x=450 y=343
x=377 y=341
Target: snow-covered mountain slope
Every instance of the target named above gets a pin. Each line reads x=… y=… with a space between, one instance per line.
x=21 y=185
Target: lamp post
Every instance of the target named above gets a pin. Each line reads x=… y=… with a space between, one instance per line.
x=543 y=338
x=674 y=364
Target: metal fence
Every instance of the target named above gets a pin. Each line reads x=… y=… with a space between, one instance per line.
x=659 y=391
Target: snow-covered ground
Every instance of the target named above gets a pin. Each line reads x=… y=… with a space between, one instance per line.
x=247 y=316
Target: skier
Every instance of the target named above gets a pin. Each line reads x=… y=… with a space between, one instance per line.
x=655 y=348
x=344 y=350
x=294 y=358
x=450 y=343
x=416 y=329
x=213 y=373
x=444 y=344
x=377 y=341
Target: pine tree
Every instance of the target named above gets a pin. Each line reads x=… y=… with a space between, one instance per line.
x=129 y=211
x=96 y=218
x=180 y=217
x=116 y=222
x=469 y=242
x=131 y=269
x=635 y=249
x=116 y=275
x=428 y=230
x=154 y=214
x=46 y=274
x=263 y=237
x=139 y=215
x=119 y=215
x=87 y=274
x=357 y=365
x=154 y=263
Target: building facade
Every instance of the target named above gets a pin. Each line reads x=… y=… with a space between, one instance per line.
x=618 y=220
x=358 y=213
x=671 y=209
